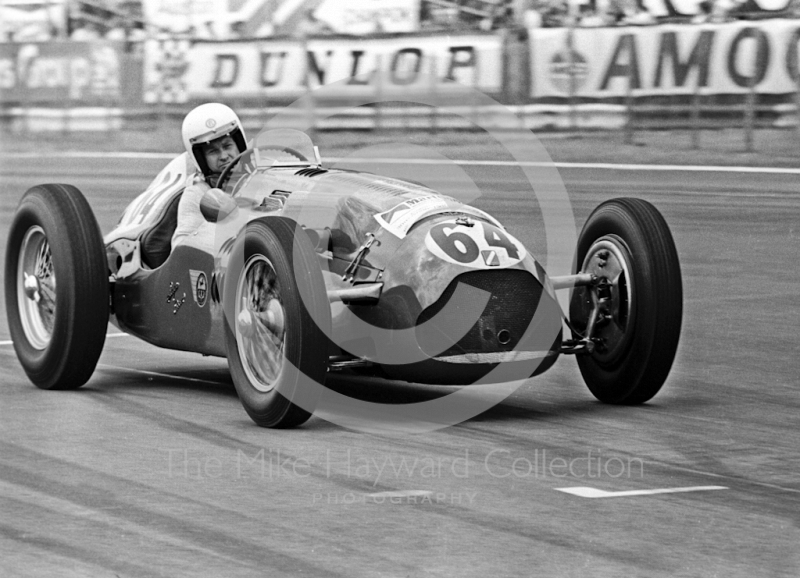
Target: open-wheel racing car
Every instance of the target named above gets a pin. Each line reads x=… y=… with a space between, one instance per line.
x=314 y=270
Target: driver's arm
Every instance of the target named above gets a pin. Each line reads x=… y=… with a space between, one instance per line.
x=215 y=205
x=189 y=216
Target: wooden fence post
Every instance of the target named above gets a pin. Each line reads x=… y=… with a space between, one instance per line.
x=432 y=87
x=695 y=114
x=797 y=98
x=629 y=108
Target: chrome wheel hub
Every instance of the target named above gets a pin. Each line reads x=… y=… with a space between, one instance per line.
x=608 y=259
x=260 y=323
x=36 y=288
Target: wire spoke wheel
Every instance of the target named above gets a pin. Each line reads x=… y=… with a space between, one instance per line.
x=277 y=314
x=36 y=288
x=260 y=323
x=56 y=287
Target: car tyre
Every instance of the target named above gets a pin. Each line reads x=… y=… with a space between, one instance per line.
x=56 y=286
x=277 y=320
x=628 y=242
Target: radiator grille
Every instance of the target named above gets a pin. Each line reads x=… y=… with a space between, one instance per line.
x=515 y=295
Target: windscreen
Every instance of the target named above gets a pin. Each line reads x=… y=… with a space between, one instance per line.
x=284 y=146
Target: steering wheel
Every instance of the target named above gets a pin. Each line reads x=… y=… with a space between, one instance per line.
x=227 y=170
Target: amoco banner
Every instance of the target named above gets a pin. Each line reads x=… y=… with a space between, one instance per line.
x=668 y=59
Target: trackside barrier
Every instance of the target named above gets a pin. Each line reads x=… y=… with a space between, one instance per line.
x=541 y=117
x=21 y=120
x=78 y=119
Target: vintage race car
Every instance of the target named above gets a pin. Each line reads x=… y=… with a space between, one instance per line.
x=311 y=270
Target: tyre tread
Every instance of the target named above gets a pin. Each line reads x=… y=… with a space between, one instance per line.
x=656 y=340
x=310 y=348
x=80 y=327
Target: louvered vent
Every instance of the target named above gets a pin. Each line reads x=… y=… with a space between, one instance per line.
x=310 y=172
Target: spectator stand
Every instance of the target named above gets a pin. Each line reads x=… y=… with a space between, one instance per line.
x=94 y=19
x=464 y=14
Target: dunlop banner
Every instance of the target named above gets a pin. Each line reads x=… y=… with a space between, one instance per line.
x=667 y=59
x=176 y=71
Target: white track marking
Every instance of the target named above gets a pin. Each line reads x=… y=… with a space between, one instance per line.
x=690 y=168
x=89 y=155
x=584 y=492
x=564 y=165
x=567 y=490
x=9 y=342
x=561 y=165
x=401 y=494
x=158 y=374
x=142 y=371
x=723 y=476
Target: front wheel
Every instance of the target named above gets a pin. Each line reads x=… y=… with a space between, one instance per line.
x=277 y=315
x=56 y=285
x=637 y=306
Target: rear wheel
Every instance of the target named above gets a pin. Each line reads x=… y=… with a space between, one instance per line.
x=638 y=304
x=275 y=303
x=56 y=285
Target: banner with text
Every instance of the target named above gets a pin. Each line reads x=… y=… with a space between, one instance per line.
x=758 y=8
x=70 y=72
x=667 y=59
x=370 y=16
x=176 y=71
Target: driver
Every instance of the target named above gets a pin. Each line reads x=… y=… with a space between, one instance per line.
x=213 y=136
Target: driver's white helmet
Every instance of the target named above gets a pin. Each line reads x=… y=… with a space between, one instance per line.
x=208 y=122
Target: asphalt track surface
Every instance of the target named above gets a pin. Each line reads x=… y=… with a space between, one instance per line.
x=153 y=467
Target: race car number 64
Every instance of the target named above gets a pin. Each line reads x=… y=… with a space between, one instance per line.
x=478 y=245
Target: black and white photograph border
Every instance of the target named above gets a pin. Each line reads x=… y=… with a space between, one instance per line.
x=153 y=467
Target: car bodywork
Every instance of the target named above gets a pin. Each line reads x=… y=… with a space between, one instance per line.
x=420 y=284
